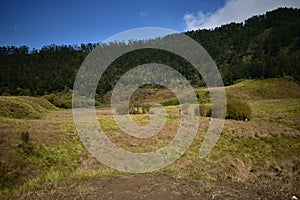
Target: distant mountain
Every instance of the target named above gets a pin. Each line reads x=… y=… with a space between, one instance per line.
x=262 y=47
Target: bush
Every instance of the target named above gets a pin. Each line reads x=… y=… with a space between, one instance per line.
x=25 y=136
x=145 y=108
x=238 y=109
x=134 y=108
x=60 y=100
x=64 y=100
x=205 y=110
x=170 y=102
x=191 y=109
x=122 y=109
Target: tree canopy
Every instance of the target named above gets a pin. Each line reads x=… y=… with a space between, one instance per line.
x=262 y=47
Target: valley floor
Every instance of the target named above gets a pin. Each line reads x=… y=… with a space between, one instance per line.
x=256 y=159
x=247 y=163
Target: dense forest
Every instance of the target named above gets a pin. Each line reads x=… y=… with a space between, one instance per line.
x=262 y=47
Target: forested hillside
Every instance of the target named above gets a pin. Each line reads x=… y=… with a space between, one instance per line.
x=262 y=47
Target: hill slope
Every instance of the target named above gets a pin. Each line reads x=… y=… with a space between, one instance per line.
x=24 y=107
x=254 y=159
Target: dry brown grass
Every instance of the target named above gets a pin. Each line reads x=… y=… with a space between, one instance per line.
x=259 y=129
x=233 y=162
x=258 y=159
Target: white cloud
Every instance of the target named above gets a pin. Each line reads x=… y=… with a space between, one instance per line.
x=234 y=11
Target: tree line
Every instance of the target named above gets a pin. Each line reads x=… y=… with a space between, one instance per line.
x=261 y=47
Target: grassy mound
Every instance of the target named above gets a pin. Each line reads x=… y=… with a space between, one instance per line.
x=40 y=101
x=274 y=88
x=23 y=107
x=280 y=111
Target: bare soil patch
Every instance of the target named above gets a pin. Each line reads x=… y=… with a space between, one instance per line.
x=148 y=186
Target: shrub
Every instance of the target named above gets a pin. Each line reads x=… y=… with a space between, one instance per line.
x=145 y=108
x=170 y=102
x=64 y=100
x=203 y=97
x=122 y=109
x=205 y=110
x=190 y=109
x=61 y=100
x=25 y=136
x=238 y=109
x=134 y=108
x=26 y=145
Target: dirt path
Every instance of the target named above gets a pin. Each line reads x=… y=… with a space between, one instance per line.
x=149 y=186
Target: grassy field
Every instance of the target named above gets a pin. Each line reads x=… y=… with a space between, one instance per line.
x=257 y=159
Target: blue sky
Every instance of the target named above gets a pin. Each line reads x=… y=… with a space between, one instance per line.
x=41 y=22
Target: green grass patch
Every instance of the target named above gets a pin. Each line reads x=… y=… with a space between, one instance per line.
x=254 y=150
x=170 y=102
x=10 y=123
x=108 y=124
x=35 y=164
x=22 y=107
x=282 y=111
x=275 y=88
x=203 y=95
x=40 y=101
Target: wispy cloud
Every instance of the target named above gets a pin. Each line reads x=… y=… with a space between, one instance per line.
x=15 y=27
x=143 y=14
x=234 y=11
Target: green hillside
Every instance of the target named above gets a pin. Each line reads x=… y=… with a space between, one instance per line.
x=273 y=100
x=24 y=107
x=275 y=88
